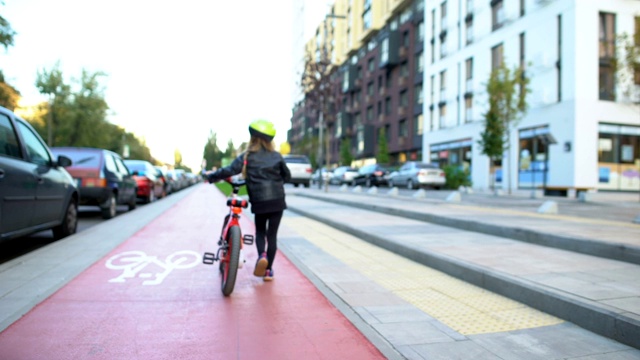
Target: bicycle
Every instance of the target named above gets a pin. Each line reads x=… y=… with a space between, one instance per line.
x=231 y=240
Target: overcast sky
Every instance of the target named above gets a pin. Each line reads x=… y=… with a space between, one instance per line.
x=176 y=69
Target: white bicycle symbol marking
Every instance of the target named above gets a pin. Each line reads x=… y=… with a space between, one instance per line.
x=132 y=262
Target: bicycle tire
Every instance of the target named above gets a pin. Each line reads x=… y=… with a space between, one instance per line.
x=230 y=268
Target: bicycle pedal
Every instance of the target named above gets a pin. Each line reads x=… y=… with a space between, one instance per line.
x=209 y=258
x=247 y=239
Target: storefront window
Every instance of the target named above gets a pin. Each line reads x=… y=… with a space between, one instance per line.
x=532 y=159
x=619 y=157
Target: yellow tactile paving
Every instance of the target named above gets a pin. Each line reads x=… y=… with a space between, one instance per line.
x=463 y=307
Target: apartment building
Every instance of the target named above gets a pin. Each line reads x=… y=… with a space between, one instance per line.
x=416 y=71
x=582 y=129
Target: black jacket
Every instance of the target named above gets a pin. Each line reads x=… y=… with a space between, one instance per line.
x=267 y=173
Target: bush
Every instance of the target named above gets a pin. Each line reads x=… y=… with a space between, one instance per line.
x=456 y=176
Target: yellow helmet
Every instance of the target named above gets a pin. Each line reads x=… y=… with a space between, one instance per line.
x=262 y=129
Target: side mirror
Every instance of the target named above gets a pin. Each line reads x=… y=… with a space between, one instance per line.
x=64 y=161
x=135 y=173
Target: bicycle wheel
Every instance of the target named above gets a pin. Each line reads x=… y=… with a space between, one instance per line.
x=230 y=267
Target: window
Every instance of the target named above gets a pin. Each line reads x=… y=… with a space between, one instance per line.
x=403 y=131
x=379 y=108
x=387 y=106
x=8 y=139
x=370 y=88
x=443 y=86
x=417 y=124
x=369 y=113
x=497 y=14
x=36 y=150
x=496 y=56
x=607 y=53
x=404 y=98
x=559 y=63
x=418 y=94
x=433 y=36
x=443 y=30
x=419 y=62
x=443 y=116
x=371 y=65
x=522 y=9
x=404 y=69
x=433 y=85
x=468 y=64
x=405 y=39
x=388 y=79
x=468 y=108
x=420 y=33
x=366 y=15
x=469 y=31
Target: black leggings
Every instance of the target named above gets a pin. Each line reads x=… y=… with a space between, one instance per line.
x=267 y=225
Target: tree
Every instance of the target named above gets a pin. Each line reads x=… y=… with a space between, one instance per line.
x=345 y=152
x=6 y=32
x=627 y=64
x=492 y=141
x=211 y=153
x=52 y=83
x=507 y=90
x=382 y=157
x=9 y=95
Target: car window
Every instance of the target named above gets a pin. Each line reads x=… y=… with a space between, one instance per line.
x=8 y=139
x=122 y=168
x=36 y=150
x=296 y=159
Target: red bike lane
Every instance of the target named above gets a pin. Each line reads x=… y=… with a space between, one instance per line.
x=152 y=298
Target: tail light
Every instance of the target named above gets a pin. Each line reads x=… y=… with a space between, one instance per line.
x=94 y=182
x=442 y=174
x=378 y=173
x=308 y=170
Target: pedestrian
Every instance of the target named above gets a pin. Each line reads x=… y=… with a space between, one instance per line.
x=265 y=173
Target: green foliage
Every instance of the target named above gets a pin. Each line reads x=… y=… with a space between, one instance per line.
x=226 y=188
x=507 y=90
x=212 y=154
x=346 y=158
x=79 y=118
x=6 y=32
x=627 y=62
x=456 y=176
x=492 y=138
x=9 y=95
x=382 y=156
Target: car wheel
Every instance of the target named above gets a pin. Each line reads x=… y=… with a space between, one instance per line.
x=306 y=184
x=367 y=183
x=295 y=185
x=69 y=223
x=108 y=209
x=410 y=184
x=152 y=196
x=353 y=183
x=391 y=183
x=132 y=201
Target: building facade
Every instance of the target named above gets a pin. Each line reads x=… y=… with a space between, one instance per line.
x=416 y=71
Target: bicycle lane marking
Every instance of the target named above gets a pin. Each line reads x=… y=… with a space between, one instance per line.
x=108 y=313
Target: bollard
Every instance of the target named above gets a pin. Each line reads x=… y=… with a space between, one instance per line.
x=344 y=187
x=454 y=197
x=393 y=191
x=372 y=190
x=419 y=194
x=548 y=207
x=357 y=189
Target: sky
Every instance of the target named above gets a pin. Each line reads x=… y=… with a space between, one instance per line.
x=176 y=70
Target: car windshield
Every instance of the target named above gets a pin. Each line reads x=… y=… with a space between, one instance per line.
x=426 y=166
x=140 y=168
x=296 y=160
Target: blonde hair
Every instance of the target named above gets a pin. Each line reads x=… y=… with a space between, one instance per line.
x=255 y=144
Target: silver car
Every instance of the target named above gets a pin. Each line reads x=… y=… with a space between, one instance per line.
x=414 y=174
x=343 y=175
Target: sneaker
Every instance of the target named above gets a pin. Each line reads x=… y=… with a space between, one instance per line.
x=261 y=265
x=268 y=275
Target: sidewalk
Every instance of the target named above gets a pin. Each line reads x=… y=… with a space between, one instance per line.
x=574 y=276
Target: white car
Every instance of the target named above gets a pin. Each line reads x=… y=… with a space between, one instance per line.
x=300 y=168
x=343 y=175
x=414 y=174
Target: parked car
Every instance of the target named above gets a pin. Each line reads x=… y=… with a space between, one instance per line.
x=343 y=175
x=36 y=192
x=371 y=175
x=415 y=174
x=150 y=184
x=300 y=168
x=166 y=179
x=102 y=177
x=326 y=175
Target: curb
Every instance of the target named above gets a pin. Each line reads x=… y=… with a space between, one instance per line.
x=587 y=314
x=613 y=251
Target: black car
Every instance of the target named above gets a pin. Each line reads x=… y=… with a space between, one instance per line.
x=36 y=192
x=371 y=175
x=103 y=178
